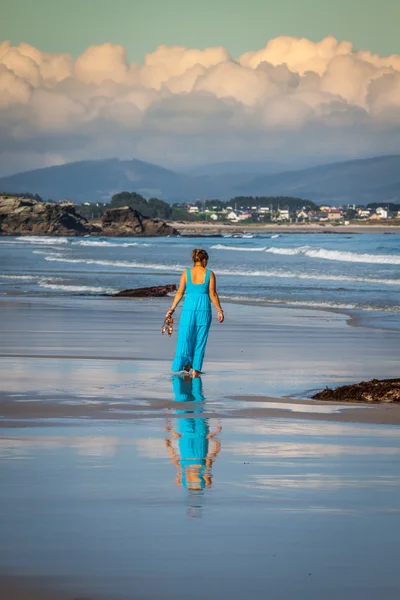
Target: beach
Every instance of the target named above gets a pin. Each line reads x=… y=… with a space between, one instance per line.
x=206 y=228
x=121 y=480
x=290 y=497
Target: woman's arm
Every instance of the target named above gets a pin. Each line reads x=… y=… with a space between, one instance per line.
x=215 y=298
x=179 y=294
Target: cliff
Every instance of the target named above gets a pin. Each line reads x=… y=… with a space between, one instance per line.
x=24 y=216
x=127 y=222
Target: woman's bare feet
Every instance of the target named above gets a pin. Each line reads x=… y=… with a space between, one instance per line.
x=196 y=374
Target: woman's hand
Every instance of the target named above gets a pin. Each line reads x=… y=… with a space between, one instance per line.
x=170 y=312
x=220 y=316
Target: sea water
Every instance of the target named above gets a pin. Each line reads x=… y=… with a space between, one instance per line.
x=343 y=272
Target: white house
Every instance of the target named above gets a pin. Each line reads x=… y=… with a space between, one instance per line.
x=232 y=216
x=382 y=212
x=264 y=209
x=193 y=208
x=335 y=215
x=301 y=214
x=284 y=214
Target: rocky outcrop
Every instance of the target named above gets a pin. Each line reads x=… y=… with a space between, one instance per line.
x=127 y=222
x=24 y=216
x=377 y=390
x=157 y=291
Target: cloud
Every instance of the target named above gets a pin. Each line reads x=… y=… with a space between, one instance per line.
x=294 y=100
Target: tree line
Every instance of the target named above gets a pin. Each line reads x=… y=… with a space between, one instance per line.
x=156 y=208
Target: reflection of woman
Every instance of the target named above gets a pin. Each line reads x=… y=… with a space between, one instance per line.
x=196 y=447
x=201 y=289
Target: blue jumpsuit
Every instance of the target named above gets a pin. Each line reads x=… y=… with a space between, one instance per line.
x=194 y=325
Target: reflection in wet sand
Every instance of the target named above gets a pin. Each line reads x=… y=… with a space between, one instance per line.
x=191 y=445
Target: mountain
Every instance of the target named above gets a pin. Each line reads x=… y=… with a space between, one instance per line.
x=246 y=168
x=356 y=181
x=235 y=168
x=98 y=180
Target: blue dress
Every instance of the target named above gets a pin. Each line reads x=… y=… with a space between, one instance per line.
x=194 y=324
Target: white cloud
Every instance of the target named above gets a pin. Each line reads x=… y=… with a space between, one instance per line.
x=294 y=97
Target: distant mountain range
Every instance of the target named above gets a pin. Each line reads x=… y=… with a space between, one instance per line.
x=357 y=181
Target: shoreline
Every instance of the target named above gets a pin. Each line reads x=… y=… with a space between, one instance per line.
x=69 y=412
x=193 y=229
x=189 y=229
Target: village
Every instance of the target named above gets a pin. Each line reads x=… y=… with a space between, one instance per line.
x=306 y=214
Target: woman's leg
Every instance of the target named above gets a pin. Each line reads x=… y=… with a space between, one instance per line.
x=185 y=342
x=200 y=344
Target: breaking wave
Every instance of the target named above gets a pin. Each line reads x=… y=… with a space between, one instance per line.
x=19 y=277
x=47 y=241
x=237 y=248
x=80 y=289
x=312 y=304
x=105 y=244
x=176 y=268
x=339 y=255
x=114 y=263
x=336 y=255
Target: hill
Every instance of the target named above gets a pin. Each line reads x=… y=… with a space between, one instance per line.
x=358 y=181
x=98 y=181
x=26 y=216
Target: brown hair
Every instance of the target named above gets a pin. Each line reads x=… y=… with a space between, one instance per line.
x=199 y=255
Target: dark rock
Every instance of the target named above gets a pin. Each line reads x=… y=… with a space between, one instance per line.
x=155 y=292
x=377 y=390
x=127 y=222
x=24 y=216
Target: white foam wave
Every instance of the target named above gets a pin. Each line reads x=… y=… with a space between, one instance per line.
x=37 y=239
x=87 y=289
x=338 y=255
x=115 y=263
x=17 y=277
x=288 y=251
x=237 y=248
x=234 y=272
x=380 y=259
x=312 y=304
x=105 y=244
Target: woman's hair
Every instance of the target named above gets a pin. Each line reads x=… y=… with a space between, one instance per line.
x=199 y=255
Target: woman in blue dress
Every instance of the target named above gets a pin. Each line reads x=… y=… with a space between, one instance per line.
x=201 y=289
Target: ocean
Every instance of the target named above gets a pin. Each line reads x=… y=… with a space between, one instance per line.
x=355 y=272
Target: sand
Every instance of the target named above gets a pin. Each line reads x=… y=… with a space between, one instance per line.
x=224 y=228
x=283 y=495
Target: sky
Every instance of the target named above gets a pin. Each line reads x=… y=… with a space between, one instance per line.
x=238 y=25
x=186 y=83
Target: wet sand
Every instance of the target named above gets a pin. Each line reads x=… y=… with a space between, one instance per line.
x=120 y=482
x=282 y=507
x=18 y=414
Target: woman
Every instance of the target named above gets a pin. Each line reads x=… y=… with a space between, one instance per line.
x=201 y=288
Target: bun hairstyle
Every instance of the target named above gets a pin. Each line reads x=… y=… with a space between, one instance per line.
x=199 y=255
